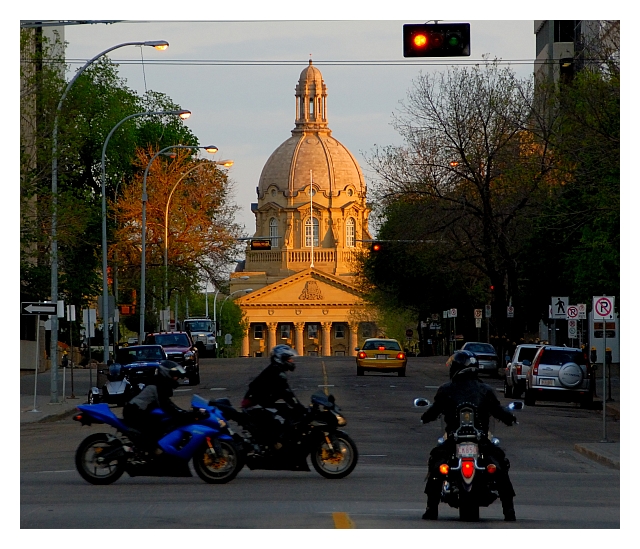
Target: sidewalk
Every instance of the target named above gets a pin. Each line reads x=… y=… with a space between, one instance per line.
x=46 y=411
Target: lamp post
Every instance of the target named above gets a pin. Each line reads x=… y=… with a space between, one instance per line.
x=105 y=287
x=208 y=148
x=159 y=45
x=226 y=164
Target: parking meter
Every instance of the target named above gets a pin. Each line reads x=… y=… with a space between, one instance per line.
x=594 y=355
x=607 y=355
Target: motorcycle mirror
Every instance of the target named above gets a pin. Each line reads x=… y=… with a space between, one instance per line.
x=516 y=405
x=420 y=402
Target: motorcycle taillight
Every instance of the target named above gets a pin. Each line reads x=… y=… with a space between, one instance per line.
x=467 y=467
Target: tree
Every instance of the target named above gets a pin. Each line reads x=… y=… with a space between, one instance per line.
x=472 y=169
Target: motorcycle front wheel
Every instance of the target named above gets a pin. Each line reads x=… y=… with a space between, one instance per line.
x=92 y=466
x=218 y=467
x=336 y=463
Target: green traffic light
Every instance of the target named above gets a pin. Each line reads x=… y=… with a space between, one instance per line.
x=454 y=41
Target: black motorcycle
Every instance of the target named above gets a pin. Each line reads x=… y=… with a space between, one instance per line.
x=315 y=433
x=469 y=473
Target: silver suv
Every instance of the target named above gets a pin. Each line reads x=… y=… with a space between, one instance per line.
x=516 y=371
x=559 y=373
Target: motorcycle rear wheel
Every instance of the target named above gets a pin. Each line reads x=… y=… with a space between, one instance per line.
x=89 y=466
x=337 y=463
x=469 y=509
x=218 y=468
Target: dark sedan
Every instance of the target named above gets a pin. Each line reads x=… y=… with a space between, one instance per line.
x=179 y=348
x=486 y=355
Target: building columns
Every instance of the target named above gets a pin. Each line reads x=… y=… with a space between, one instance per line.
x=271 y=335
x=326 y=338
x=245 y=351
x=353 y=338
x=299 y=338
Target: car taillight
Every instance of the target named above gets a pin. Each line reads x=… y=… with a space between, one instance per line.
x=400 y=356
x=467 y=467
x=536 y=362
x=519 y=369
x=381 y=348
x=362 y=354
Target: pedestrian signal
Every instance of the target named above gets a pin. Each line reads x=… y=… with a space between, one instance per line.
x=436 y=40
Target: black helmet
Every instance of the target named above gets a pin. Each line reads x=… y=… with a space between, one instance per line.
x=171 y=371
x=283 y=356
x=462 y=361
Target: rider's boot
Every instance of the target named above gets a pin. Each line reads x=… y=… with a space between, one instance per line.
x=508 y=510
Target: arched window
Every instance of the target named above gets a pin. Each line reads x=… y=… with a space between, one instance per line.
x=273 y=231
x=350 y=227
x=307 y=232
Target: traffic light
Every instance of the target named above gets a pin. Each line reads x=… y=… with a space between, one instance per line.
x=261 y=244
x=436 y=40
x=376 y=247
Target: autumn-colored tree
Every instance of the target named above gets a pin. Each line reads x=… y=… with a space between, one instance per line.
x=190 y=200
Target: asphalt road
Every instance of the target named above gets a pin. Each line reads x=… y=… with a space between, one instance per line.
x=556 y=487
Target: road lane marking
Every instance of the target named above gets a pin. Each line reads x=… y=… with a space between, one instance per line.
x=342 y=521
x=325 y=378
x=218 y=389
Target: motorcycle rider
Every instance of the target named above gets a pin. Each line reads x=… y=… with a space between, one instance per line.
x=466 y=387
x=157 y=394
x=270 y=386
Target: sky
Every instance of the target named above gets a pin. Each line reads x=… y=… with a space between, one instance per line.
x=247 y=109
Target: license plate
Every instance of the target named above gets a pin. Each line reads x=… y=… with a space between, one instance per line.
x=467 y=450
x=548 y=382
x=381 y=357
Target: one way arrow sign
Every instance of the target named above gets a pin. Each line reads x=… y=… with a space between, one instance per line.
x=36 y=308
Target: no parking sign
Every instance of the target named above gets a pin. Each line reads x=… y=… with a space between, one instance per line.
x=603 y=307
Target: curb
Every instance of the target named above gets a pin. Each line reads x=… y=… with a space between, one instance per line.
x=604 y=460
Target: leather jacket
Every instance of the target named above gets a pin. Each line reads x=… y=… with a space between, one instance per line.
x=268 y=387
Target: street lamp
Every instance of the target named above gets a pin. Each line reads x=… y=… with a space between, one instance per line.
x=209 y=148
x=105 y=286
x=226 y=164
x=159 y=45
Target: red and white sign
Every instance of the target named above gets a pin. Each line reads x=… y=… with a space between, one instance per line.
x=582 y=311
x=477 y=313
x=453 y=313
x=573 y=328
x=509 y=312
x=603 y=307
x=572 y=312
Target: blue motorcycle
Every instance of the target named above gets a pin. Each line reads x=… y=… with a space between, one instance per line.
x=102 y=458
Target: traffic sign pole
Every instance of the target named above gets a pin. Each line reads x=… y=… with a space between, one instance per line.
x=35 y=382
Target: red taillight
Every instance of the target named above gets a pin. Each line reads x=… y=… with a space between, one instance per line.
x=518 y=370
x=362 y=354
x=536 y=362
x=400 y=356
x=491 y=468
x=381 y=348
x=444 y=469
x=467 y=467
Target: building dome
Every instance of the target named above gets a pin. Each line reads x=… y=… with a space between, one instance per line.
x=311 y=151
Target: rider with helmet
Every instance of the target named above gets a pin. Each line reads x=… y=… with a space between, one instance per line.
x=157 y=394
x=270 y=386
x=465 y=387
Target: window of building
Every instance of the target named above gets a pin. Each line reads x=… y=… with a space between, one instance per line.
x=312 y=331
x=564 y=31
x=307 y=232
x=285 y=331
x=339 y=331
x=351 y=232
x=273 y=231
x=311 y=106
x=258 y=331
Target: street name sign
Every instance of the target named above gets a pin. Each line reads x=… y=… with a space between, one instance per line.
x=38 y=308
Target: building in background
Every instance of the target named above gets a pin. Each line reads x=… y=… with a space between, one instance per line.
x=312 y=209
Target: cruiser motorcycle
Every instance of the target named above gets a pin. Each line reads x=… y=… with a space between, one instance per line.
x=316 y=434
x=469 y=473
x=102 y=458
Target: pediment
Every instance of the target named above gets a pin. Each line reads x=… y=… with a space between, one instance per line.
x=306 y=288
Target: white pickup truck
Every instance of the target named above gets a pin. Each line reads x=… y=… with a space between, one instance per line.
x=202 y=333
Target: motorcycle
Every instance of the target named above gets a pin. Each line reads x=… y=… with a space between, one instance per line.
x=102 y=458
x=333 y=453
x=469 y=473
x=118 y=388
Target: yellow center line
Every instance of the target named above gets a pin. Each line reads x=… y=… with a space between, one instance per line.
x=324 y=376
x=342 y=521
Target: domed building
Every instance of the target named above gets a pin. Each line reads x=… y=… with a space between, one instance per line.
x=312 y=208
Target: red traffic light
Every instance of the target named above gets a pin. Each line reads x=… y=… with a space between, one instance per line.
x=436 y=40
x=376 y=247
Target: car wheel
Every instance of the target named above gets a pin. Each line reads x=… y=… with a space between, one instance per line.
x=360 y=371
x=508 y=391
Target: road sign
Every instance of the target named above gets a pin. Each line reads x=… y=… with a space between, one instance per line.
x=573 y=328
x=572 y=312
x=445 y=314
x=582 y=311
x=478 y=322
x=559 y=307
x=453 y=313
x=487 y=311
x=603 y=307
x=477 y=313
x=38 y=308
x=510 y=311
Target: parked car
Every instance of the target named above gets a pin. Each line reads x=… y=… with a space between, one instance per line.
x=486 y=355
x=202 y=332
x=379 y=354
x=179 y=348
x=559 y=373
x=516 y=372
